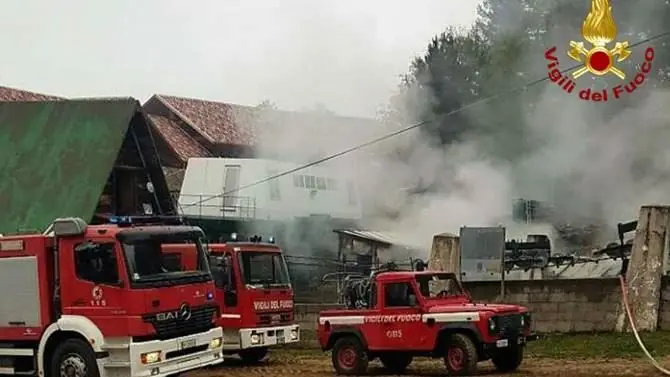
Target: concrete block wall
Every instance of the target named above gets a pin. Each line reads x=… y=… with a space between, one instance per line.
x=560 y=305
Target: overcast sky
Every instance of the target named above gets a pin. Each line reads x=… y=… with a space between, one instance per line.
x=344 y=54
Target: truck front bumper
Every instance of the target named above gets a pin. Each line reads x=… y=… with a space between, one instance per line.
x=263 y=337
x=504 y=343
x=159 y=358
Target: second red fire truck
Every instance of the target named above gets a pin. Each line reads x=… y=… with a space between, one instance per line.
x=253 y=289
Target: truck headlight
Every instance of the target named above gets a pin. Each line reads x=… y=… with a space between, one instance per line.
x=493 y=324
x=255 y=338
x=150 y=357
x=294 y=334
x=215 y=343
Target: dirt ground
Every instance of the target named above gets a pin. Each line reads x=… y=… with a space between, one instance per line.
x=305 y=363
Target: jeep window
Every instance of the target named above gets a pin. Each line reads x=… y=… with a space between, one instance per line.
x=438 y=285
x=96 y=262
x=397 y=294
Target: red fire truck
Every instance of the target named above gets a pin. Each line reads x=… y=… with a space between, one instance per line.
x=255 y=295
x=99 y=300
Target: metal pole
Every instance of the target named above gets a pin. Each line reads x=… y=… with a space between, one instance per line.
x=502 y=269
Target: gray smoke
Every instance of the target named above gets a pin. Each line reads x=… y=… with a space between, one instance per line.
x=572 y=153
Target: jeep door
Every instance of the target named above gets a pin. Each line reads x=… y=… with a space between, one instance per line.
x=402 y=327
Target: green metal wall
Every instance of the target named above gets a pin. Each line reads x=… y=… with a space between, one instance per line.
x=55 y=158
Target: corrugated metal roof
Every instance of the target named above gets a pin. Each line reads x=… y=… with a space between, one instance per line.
x=386 y=238
x=55 y=158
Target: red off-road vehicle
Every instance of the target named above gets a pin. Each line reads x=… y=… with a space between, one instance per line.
x=410 y=313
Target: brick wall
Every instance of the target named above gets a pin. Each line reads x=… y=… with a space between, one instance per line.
x=561 y=305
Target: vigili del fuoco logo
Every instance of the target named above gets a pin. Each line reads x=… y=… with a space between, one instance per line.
x=599 y=30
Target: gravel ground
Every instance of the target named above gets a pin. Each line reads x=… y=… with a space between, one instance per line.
x=312 y=363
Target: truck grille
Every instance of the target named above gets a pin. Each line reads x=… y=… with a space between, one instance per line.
x=271 y=319
x=510 y=324
x=200 y=320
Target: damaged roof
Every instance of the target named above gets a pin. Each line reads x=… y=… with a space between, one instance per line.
x=384 y=239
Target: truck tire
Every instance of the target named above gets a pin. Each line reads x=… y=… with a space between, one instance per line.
x=396 y=362
x=508 y=360
x=73 y=357
x=349 y=357
x=253 y=355
x=461 y=356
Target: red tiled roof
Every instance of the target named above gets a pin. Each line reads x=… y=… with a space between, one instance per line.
x=179 y=140
x=11 y=94
x=249 y=126
x=217 y=121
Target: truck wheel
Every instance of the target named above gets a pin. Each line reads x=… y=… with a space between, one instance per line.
x=349 y=357
x=73 y=358
x=253 y=355
x=508 y=360
x=461 y=356
x=396 y=363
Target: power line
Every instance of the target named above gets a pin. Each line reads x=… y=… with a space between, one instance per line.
x=409 y=128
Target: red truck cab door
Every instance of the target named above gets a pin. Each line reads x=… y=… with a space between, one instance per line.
x=91 y=281
x=400 y=326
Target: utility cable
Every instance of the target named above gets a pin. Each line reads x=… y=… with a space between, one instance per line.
x=409 y=128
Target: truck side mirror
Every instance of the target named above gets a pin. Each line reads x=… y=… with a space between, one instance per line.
x=412 y=300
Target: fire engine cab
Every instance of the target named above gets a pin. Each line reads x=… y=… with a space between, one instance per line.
x=399 y=315
x=100 y=300
x=254 y=291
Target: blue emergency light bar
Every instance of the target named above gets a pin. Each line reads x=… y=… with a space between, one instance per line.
x=146 y=220
x=255 y=238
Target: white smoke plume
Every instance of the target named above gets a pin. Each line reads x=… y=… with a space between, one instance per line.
x=585 y=162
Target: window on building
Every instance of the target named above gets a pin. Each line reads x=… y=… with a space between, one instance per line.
x=321 y=183
x=275 y=194
x=299 y=180
x=231 y=185
x=96 y=262
x=351 y=190
x=310 y=182
x=331 y=184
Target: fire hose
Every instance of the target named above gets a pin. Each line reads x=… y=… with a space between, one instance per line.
x=624 y=299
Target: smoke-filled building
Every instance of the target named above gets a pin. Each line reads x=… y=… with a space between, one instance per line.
x=212 y=148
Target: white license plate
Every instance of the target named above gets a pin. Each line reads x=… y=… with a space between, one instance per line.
x=502 y=343
x=188 y=343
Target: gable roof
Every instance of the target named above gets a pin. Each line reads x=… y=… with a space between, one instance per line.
x=12 y=94
x=180 y=142
x=56 y=157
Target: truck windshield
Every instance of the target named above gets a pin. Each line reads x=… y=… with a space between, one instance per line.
x=262 y=269
x=438 y=285
x=149 y=265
